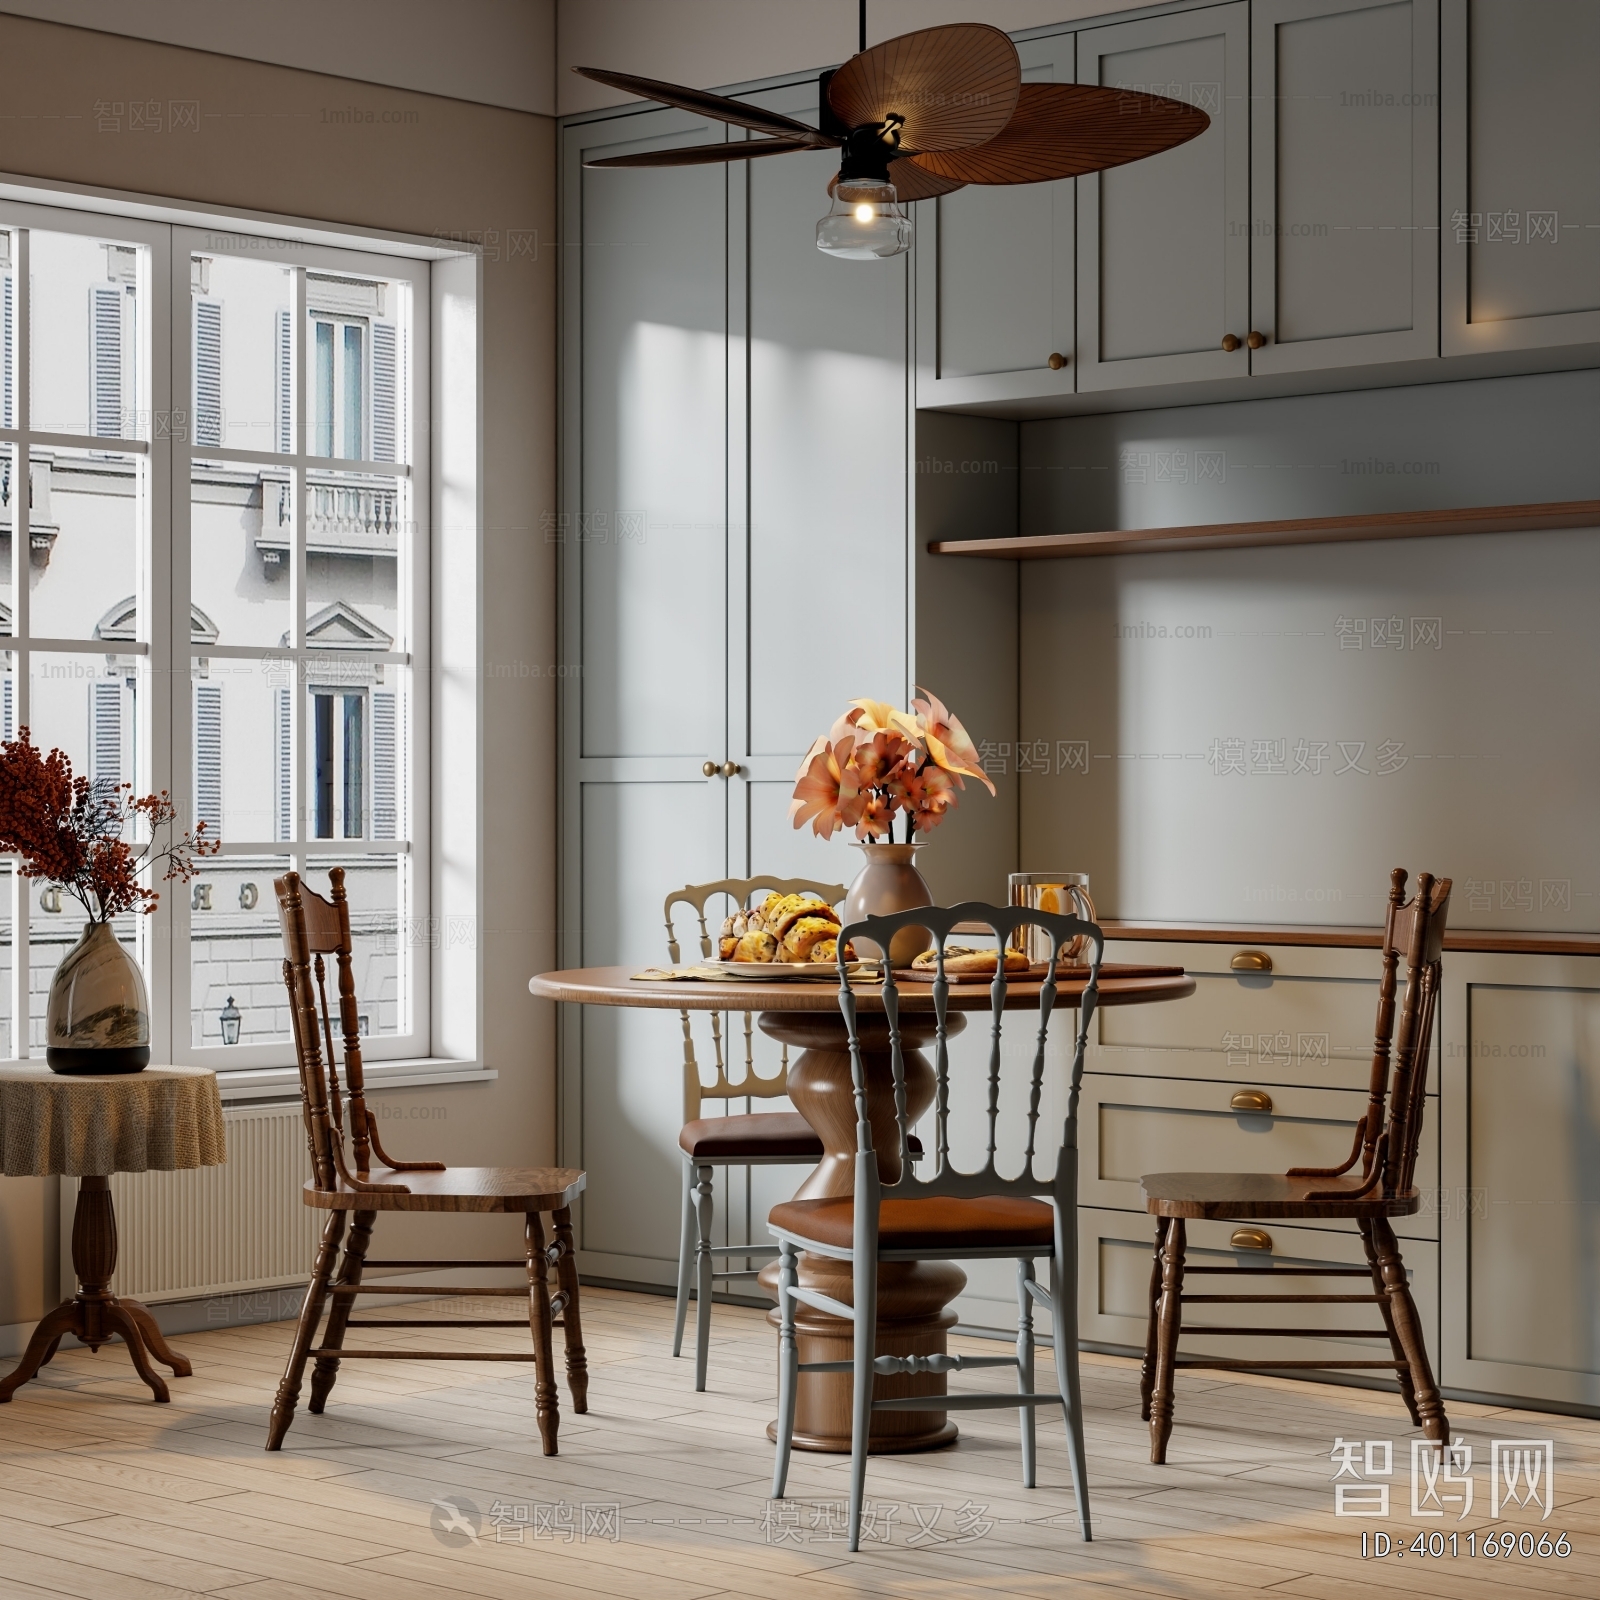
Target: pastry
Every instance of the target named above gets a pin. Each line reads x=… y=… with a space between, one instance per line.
x=965 y=961
x=726 y=945
x=757 y=946
x=826 y=951
x=781 y=911
x=803 y=934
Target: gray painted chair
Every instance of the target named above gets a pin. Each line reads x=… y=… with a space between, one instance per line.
x=951 y=1207
x=770 y=1138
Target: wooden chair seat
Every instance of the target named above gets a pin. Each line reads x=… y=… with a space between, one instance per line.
x=767 y=1135
x=991 y=1222
x=1238 y=1195
x=519 y=1189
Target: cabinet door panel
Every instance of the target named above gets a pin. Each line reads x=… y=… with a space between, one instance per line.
x=1133 y=1126
x=1163 y=264
x=1001 y=299
x=1114 y=1256
x=1521 y=148
x=1344 y=178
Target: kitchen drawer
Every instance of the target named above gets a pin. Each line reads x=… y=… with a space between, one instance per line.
x=1128 y=1126
x=1308 y=1021
x=1114 y=1258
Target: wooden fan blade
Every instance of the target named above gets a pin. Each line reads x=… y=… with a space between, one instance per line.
x=699 y=155
x=1062 y=130
x=712 y=105
x=956 y=86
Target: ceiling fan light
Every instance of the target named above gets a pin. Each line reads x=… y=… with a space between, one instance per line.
x=865 y=222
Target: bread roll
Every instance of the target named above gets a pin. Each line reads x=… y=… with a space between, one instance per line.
x=826 y=951
x=726 y=945
x=758 y=946
x=781 y=912
x=803 y=933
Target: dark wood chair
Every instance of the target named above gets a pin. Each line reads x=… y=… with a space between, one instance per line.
x=342 y=1186
x=1386 y=1143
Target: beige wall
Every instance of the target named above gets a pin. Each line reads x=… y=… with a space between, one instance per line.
x=706 y=43
x=457 y=168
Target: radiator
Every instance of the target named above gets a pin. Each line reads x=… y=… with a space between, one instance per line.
x=213 y=1230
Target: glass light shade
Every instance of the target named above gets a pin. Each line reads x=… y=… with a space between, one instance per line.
x=864 y=222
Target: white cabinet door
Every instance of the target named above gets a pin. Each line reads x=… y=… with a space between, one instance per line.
x=1520 y=1227
x=1163 y=244
x=1344 y=182
x=1521 y=190
x=995 y=275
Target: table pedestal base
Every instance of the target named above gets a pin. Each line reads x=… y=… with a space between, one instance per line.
x=94 y=1314
x=912 y=1320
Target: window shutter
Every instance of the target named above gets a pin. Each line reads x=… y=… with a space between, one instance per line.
x=105 y=735
x=208 y=757
x=8 y=715
x=285 y=753
x=105 y=361
x=384 y=788
x=285 y=397
x=385 y=376
x=6 y=332
x=208 y=372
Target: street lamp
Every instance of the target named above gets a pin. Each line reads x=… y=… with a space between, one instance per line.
x=230 y=1022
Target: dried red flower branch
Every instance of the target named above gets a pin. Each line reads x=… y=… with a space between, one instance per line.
x=70 y=832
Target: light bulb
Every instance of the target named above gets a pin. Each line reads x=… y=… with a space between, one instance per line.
x=865 y=222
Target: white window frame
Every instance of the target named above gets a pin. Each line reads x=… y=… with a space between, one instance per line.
x=445 y=659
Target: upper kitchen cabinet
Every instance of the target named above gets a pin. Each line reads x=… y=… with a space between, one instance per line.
x=1344 y=178
x=994 y=277
x=1164 y=244
x=1521 y=211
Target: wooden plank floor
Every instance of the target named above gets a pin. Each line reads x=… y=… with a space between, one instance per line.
x=661 y=1494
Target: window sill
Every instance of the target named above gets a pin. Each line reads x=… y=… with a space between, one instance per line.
x=281 y=1083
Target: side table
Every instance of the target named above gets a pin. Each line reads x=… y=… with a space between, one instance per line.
x=158 y=1120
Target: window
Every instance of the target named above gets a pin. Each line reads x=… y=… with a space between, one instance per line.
x=254 y=532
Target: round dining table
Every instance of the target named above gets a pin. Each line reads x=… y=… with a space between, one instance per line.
x=913 y=1297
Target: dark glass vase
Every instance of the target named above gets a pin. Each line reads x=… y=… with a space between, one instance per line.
x=98 y=1020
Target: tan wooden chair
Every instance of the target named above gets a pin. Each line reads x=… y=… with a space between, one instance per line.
x=342 y=1186
x=1386 y=1146
x=755 y=1139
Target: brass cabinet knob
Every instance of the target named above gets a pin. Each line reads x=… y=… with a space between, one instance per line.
x=1251 y=961
x=1256 y=340
x=1250 y=1100
x=1057 y=361
x=1231 y=342
x=1251 y=1239
x=710 y=768
x=730 y=769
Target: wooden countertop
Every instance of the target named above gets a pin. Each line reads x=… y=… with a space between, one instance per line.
x=1488 y=940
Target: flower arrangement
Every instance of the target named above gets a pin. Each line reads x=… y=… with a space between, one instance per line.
x=877 y=761
x=70 y=832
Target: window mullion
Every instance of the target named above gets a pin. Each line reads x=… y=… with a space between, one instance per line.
x=21 y=532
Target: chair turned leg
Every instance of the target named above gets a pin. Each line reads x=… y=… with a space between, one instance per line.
x=546 y=1403
x=155 y=1340
x=1169 y=1322
x=571 y=1318
x=1408 y=1391
x=704 y=1263
x=1064 y=1333
x=1147 y=1368
x=788 y=1365
x=306 y=1329
x=686 y=1238
x=1408 y=1328
x=1025 y=1370
x=326 y=1372
x=864 y=1346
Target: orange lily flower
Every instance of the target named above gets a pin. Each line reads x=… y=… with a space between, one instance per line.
x=949 y=744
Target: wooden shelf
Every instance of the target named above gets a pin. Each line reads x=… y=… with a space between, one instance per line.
x=1486 y=940
x=1304 y=530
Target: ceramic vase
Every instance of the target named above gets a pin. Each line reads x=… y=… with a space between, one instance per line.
x=889 y=881
x=98 y=1019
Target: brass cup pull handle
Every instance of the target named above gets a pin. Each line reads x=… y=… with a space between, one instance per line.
x=1251 y=1239
x=1256 y=340
x=1231 y=342
x=1057 y=361
x=1250 y=1100
x=710 y=768
x=1251 y=961
x=730 y=769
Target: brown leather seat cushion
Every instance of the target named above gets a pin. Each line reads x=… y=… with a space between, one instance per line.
x=924 y=1224
x=768 y=1133
x=1239 y=1195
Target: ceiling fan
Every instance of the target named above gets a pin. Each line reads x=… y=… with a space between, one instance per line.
x=922 y=115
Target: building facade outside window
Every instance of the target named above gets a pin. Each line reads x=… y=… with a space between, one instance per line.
x=213 y=580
